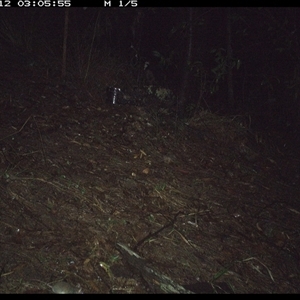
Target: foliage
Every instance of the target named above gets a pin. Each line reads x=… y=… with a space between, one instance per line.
x=112 y=46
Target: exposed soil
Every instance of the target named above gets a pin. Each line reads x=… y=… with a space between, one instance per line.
x=205 y=205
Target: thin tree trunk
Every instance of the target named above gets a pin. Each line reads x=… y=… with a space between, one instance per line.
x=182 y=101
x=64 y=58
x=229 y=60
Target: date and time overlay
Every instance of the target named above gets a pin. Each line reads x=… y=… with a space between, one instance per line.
x=66 y=3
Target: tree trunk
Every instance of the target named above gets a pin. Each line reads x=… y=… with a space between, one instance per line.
x=64 y=58
x=182 y=100
x=229 y=60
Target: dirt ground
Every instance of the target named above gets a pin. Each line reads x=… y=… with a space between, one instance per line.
x=130 y=199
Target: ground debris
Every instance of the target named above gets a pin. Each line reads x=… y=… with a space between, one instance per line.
x=157 y=282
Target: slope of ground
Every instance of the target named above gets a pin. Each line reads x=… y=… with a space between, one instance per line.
x=200 y=205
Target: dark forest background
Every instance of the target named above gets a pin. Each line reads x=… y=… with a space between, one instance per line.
x=237 y=61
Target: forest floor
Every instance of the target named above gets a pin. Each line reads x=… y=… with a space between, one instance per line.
x=130 y=199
